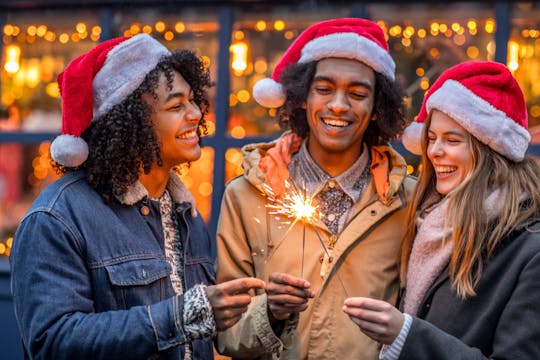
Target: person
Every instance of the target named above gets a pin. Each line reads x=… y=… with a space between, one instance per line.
x=337 y=98
x=471 y=259
x=113 y=260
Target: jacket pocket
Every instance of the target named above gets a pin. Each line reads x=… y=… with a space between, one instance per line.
x=139 y=282
x=199 y=271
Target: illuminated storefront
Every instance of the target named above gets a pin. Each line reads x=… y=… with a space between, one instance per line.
x=240 y=42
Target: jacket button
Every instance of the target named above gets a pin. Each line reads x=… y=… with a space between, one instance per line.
x=145 y=210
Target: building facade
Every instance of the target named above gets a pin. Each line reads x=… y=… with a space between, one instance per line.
x=240 y=41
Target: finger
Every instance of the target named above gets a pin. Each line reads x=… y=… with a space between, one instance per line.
x=273 y=288
x=366 y=303
x=287 y=279
x=286 y=299
x=242 y=285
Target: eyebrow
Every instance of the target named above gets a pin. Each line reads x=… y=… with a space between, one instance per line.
x=365 y=84
x=175 y=95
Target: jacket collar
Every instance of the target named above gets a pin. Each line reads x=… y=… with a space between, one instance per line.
x=268 y=162
x=178 y=191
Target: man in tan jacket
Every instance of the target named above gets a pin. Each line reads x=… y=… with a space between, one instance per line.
x=337 y=97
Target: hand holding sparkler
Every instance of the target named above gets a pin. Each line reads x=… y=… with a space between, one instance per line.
x=287 y=294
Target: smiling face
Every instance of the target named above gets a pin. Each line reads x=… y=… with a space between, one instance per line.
x=449 y=150
x=175 y=120
x=338 y=108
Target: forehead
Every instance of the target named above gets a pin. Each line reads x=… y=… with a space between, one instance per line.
x=441 y=122
x=349 y=70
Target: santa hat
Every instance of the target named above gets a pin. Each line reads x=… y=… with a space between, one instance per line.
x=94 y=82
x=485 y=99
x=348 y=38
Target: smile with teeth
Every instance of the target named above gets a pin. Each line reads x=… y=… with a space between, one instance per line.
x=188 y=135
x=445 y=169
x=335 y=122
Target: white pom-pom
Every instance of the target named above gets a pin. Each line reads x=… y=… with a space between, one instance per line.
x=269 y=93
x=412 y=137
x=68 y=150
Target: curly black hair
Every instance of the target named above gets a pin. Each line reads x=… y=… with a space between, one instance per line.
x=389 y=107
x=122 y=142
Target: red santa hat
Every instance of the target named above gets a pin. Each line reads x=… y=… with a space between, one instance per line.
x=94 y=82
x=486 y=100
x=349 y=38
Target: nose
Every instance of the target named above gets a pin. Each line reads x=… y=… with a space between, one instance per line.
x=339 y=102
x=193 y=113
x=435 y=149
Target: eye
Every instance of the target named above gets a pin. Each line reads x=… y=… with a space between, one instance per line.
x=431 y=139
x=323 y=90
x=358 y=95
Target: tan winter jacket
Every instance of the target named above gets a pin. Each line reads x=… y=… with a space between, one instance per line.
x=252 y=242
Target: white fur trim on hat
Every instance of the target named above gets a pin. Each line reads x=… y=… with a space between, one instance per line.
x=486 y=123
x=125 y=68
x=350 y=46
x=69 y=150
x=269 y=93
x=412 y=137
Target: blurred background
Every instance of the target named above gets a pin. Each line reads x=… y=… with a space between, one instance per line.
x=240 y=41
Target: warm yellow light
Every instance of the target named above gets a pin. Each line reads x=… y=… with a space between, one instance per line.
x=434 y=53
x=260 y=66
x=179 y=27
x=472 y=52
x=188 y=181
x=147 y=29
x=513 y=55
x=420 y=72
x=424 y=84
x=96 y=30
x=455 y=26
x=410 y=169
x=75 y=37
x=490 y=26
x=459 y=39
x=395 y=31
x=272 y=112
x=13 y=55
x=279 y=25
x=50 y=36
x=8 y=30
x=443 y=28
x=288 y=34
x=239 y=35
x=169 y=35
x=535 y=110
x=260 y=25
x=239 y=52
x=205 y=189
x=63 y=38
x=234 y=156
x=159 y=26
x=238 y=132
x=490 y=47
x=52 y=90
x=2 y=248
x=31 y=30
x=471 y=24
x=206 y=60
x=33 y=73
x=80 y=27
x=135 y=29
x=233 y=100
x=41 y=30
x=408 y=32
x=421 y=33
x=9 y=241
x=243 y=96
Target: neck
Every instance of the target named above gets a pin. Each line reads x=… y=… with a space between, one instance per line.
x=336 y=163
x=155 y=181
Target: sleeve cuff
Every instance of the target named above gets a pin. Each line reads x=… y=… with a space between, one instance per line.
x=393 y=351
x=198 y=315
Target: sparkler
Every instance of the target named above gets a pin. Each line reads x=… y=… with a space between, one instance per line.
x=297 y=206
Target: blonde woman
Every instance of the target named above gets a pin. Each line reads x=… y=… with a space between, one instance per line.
x=471 y=257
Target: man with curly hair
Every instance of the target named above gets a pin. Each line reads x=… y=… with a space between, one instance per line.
x=113 y=260
x=336 y=94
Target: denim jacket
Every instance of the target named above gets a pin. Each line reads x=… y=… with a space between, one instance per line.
x=90 y=280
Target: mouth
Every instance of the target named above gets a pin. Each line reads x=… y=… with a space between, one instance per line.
x=443 y=170
x=338 y=123
x=188 y=135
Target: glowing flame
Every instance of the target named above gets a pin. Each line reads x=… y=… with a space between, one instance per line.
x=294 y=204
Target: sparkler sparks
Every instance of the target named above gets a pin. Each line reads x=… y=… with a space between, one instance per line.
x=294 y=204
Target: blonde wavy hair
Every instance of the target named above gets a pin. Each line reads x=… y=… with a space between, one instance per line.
x=476 y=236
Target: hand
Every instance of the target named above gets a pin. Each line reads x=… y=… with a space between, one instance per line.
x=230 y=300
x=287 y=294
x=376 y=318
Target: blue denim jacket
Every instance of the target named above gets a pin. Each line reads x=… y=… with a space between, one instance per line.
x=90 y=280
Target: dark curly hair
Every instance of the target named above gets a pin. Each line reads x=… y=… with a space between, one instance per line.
x=122 y=141
x=389 y=107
